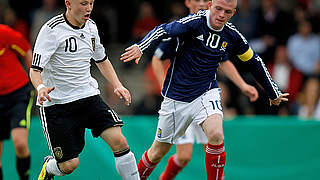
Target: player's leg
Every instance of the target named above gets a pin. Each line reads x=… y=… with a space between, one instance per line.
x=174 y=119
x=210 y=119
x=104 y=122
x=178 y=161
x=215 y=154
x=65 y=138
x=20 y=114
x=125 y=161
x=20 y=142
x=152 y=157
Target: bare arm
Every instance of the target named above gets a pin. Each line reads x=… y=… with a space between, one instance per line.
x=109 y=73
x=28 y=59
x=43 y=92
x=232 y=73
x=158 y=67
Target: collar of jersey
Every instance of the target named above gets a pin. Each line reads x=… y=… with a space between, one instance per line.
x=74 y=27
x=208 y=22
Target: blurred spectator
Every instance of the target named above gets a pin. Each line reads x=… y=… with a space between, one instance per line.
x=304 y=49
x=309 y=98
x=245 y=19
x=145 y=22
x=304 y=53
x=286 y=76
x=42 y=15
x=178 y=10
x=11 y=19
x=274 y=26
x=106 y=18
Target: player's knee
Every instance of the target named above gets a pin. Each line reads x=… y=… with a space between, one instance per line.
x=119 y=143
x=20 y=146
x=156 y=155
x=215 y=137
x=69 y=166
x=184 y=159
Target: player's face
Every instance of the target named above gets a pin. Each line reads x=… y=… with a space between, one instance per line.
x=79 y=11
x=220 y=12
x=196 y=5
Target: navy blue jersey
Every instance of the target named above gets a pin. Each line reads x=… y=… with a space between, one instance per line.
x=198 y=52
x=167 y=49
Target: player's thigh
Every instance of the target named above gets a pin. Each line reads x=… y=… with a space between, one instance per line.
x=63 y=130
x=18 y=115
x=101 y=116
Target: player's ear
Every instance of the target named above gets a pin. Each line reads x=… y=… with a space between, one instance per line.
x=209 y=4
x=67 y=3
x=187 y=3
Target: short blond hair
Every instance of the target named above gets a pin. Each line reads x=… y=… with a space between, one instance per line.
x=229 y=1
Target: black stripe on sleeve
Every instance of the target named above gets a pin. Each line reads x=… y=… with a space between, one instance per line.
x=37 y=68
x=99 y=61
x=36 y=59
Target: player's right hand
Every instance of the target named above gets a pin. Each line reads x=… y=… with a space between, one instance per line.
x=43 y=94
x=132 y=52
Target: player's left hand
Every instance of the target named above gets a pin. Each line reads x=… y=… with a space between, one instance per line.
x=132 y=52
x=277 y=101
x=123 y=93
x=251 y=92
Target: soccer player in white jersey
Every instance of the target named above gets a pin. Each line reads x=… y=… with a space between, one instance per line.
x=69 y=96
x=184 y=145
x=190 y=90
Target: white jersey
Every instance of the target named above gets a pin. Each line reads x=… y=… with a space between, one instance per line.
x=62 y=53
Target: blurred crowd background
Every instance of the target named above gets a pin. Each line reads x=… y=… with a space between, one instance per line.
x=285 y=33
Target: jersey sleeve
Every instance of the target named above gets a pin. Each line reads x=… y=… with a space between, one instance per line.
x=17 y=42
x=174 y=29
x=256 y=66
x=44 y=48
x=99 y=54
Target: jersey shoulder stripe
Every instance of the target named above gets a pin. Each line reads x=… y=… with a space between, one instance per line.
x=90 y=20
x=234 y=29
x=55 y=21
x=192 y=17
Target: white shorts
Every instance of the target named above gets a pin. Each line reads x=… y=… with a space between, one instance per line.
x=194 y=131
x=176 y=116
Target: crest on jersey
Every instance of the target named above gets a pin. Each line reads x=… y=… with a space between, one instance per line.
x=58 y=152
x=159 y=132
x=93 y=41
x=224 y=44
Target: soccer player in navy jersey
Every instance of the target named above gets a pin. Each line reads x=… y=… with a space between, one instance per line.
x=190 y=90
x=184 y=145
